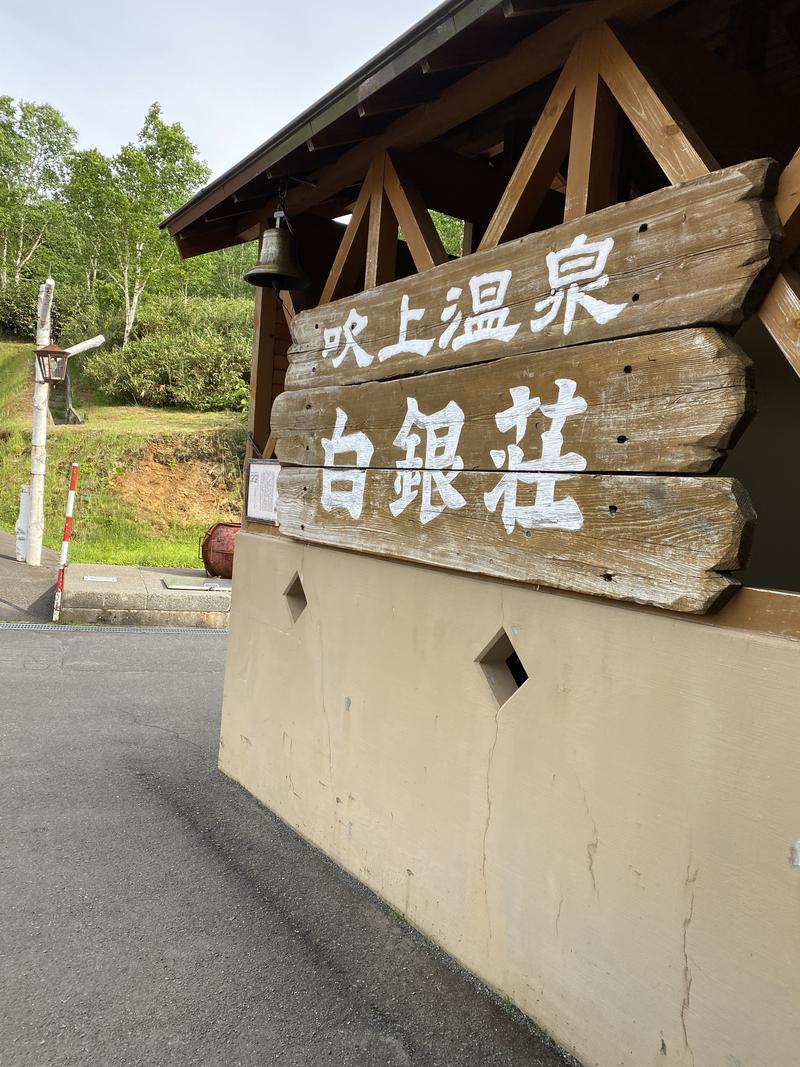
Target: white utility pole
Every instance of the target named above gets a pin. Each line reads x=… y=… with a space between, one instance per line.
x=41 y=396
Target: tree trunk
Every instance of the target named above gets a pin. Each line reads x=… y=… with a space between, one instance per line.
x=131 y=307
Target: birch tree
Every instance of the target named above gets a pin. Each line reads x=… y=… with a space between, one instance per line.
x=120 y=202
x=36 y=143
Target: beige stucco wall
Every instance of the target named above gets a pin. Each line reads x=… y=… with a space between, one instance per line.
x=610 y=849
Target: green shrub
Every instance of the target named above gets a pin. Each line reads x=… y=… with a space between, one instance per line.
x=194 y=355
x=75 y=315
x=18 y=310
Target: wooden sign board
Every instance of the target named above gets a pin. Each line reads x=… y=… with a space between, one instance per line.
x=688 y=254
x=480 y=416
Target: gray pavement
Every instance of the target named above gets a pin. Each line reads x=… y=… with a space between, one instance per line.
x=26 y=593
x=151 y=912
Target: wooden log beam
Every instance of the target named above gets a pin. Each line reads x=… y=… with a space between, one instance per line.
x=737 y=115
x=350 y=129
x=787 y=202
x=469 y=50
x=223 y=234
x=262 y=368
x=700 y=376
x=349 y=258
x=658 y=540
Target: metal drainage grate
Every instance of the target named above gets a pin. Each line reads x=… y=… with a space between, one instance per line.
x=67 y=627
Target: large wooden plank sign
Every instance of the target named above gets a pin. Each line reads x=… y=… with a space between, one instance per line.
x=541 y=411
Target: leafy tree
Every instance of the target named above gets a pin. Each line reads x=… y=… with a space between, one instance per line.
x=450 y=230
x=36 y=143
x=120 y=201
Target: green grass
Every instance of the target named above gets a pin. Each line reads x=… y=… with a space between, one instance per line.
x=16 y=372
x=113 y=438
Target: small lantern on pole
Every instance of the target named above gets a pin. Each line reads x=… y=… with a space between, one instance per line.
x=52 y=362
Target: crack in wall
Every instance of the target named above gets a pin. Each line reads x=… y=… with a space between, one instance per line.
x=558 y=914
x=591 y=848
x=689 y=882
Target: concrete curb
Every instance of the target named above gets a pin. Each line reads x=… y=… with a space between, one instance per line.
x=134 y=596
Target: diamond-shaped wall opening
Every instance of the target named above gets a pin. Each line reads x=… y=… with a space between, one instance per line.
x=296 y=598
x=502 y=668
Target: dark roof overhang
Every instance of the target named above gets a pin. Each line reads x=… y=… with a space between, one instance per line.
x=455 y=38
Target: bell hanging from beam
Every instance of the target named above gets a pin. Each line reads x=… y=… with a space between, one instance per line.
x=277 y=265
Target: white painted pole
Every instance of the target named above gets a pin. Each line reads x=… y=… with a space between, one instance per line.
x=41 y=396
x=83 y=346
x=62 y=562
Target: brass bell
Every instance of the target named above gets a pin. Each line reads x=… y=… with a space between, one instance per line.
x=277 y=264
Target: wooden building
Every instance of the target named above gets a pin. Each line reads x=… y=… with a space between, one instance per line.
x=522 y=653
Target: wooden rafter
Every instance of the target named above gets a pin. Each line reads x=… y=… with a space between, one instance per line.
x=541 y=158
x=675 y=145
x=528 y=62
x=598 y=75
x=349 y=256
x=371 y=238
x=421 y=235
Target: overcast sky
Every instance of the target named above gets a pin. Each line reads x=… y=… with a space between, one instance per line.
x=231 y=73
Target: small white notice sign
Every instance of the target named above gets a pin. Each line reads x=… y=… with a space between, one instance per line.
x=98 y=578
x=262 y=490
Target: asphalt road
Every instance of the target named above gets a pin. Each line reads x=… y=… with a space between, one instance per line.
x=26 y=593
x=151 y=912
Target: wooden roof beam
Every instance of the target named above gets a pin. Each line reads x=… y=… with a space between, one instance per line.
x=454 y=184
x=402 y=96
x=482 y=44
x=528 y=62
x=787 y=202
x=525 y=9
x=215 y=235
x=350 y=129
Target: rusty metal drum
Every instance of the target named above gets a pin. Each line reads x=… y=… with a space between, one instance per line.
x=217 y=549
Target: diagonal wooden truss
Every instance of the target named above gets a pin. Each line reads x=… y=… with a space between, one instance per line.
x=599 y=80
x=384 y=204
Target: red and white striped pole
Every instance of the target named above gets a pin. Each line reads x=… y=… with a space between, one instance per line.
x=62 y=563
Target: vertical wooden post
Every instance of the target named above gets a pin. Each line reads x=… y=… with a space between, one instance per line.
x=593 y=175
x=41 y=396
x=382 y=231
x=261 y=368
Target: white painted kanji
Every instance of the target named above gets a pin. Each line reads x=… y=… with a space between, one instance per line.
x=575 y=272
x=434 y=473
x=404 y=346
x=337 y=352
x=351 y=480
x=545 y=511
x=489 y=315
